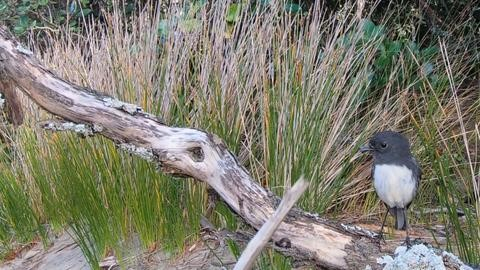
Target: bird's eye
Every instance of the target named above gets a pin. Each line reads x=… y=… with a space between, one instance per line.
x=383 y=145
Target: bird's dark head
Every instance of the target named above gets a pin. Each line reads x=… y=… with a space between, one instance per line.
x=387 y=144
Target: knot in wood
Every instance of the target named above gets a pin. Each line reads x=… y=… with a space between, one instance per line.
x=197 y=154
x=284 y=243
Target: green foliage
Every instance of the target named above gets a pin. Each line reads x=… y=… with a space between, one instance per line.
x=51 y=16
x=388 y=52
x=104 y=195
x=234 y=248
x=189 y=18
x=18 y=222
x=26 y=15
x=273 y=260
x=294 y=8
x=233 y=12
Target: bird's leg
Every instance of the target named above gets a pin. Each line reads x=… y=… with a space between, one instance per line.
x=380 y=234
x=407 y=239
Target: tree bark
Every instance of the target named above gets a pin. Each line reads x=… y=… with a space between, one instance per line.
x=190 y=152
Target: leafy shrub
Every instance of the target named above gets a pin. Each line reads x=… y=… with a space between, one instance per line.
x=23 y=16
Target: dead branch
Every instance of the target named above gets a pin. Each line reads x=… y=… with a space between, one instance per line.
x=255 y=246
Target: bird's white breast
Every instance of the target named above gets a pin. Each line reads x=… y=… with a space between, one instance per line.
x=394 y=184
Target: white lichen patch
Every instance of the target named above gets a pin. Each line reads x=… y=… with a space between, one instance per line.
x=2 y=101
x=142 y=152
x=359 y=230
x=153 y=117
x=97 y=128
x=451 y=258
x=23 y=50
x=69 y=126
x=385 y=260
x=418 y=257
x=117 y=104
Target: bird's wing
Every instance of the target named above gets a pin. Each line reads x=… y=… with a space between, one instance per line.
x=418 y=171
x=418 y=174
x=372 y=171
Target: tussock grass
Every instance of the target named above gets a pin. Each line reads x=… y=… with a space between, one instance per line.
x=289 y=94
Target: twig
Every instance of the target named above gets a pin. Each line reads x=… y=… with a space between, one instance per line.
x=262 y=237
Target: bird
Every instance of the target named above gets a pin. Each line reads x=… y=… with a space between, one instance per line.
x=396 y=175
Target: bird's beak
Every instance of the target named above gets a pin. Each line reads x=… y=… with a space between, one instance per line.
x=365 y=148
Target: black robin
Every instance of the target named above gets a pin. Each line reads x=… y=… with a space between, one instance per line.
x=396 y=175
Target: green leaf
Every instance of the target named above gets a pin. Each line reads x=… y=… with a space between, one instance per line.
x=234 y=249
x=3 y=7
x=393 y=47
x=60 y=18
x=19 y=29
x=233 y=12
x=34 y=6
x=191 y=11
x=42 y=2
x=292 y=8
x=370 y=30
x=429 y=52
x=23 y=21
x=344 y=41
x=383 y=62
x=21 y=25
x=129 y=8
x=86 y=11
x=368 y=26
x=163 y=28
x=23 y=9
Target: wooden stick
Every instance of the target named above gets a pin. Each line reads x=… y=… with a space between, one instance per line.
x=262 y=237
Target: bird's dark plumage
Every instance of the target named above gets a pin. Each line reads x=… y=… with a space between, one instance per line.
x=395 y=172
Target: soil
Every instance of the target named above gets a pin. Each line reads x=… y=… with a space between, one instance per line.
x=64 y=254
x=209 y=252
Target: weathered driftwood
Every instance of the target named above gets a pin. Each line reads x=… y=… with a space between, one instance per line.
x=188 y=152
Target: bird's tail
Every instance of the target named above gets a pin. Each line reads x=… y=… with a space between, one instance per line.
x=400 y=218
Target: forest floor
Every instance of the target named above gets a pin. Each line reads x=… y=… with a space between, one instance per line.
x=64 y=253
x=209 y=252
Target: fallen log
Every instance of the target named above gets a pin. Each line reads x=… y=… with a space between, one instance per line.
x=189 y=152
